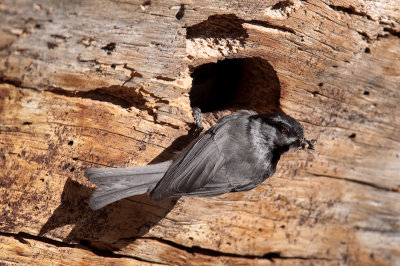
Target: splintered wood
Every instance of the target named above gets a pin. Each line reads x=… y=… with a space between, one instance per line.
x=106 y=84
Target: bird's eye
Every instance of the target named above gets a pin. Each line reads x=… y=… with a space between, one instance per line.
x=284 y=130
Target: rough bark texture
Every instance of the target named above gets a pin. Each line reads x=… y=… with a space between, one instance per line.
x=106 y=83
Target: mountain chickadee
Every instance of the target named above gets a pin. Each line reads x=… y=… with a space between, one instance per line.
x=237 y=154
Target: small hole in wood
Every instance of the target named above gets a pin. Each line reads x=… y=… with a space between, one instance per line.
x=181 y=12
x=367 y=50
x=52 y=45
x=109 y=48
x=353 y=135
x=366 y=93
x=146 y=3
x=70 y=143
x=320 y=84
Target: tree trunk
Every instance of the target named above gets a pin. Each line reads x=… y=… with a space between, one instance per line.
x=106 y=84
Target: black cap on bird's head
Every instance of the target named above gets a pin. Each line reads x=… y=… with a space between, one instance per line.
x=285 y=132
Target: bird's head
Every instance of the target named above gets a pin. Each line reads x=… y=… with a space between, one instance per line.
x=283 y=132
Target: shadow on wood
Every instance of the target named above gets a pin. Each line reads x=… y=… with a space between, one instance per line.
x=127 y=218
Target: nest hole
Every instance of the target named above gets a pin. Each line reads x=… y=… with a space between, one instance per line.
x=238 y=83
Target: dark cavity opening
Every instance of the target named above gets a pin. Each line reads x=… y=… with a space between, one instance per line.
x=240 y=83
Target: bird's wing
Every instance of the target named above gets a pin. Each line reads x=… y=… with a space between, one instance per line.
x=197 y=166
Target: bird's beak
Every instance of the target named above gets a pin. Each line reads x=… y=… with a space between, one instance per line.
x=305 y=142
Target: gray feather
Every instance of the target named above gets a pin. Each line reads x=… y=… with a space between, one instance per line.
x=118 y=183
x=237 y=154
x=194 y=169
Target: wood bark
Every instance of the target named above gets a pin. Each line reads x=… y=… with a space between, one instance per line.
x=106 y=84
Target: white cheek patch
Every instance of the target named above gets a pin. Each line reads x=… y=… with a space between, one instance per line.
x=259 y=140
x=272 y=136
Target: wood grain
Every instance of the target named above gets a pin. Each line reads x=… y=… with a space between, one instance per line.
x=106 y=84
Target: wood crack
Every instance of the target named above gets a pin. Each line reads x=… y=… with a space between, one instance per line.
x=351 y=10
x=392 y=31
x=16 y=83
x=229 y=26
x=271 y=26
x=360 y=182
x=376 y=230
x=85 y=245
x=271 y=256
x=111 y=132
x=22 y=237
x=130 y=97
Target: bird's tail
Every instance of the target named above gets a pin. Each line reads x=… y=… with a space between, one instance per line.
x=118 y=183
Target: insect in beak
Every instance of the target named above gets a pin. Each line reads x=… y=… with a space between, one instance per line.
x=305 y=142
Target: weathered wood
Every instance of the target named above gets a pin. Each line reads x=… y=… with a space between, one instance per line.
x=106 y=83
x=23 y=251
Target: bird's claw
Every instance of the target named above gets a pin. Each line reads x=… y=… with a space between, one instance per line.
x=197 y=118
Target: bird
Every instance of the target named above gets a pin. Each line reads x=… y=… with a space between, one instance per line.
x=236 y=154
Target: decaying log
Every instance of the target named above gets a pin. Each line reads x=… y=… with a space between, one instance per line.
x=107 y=84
